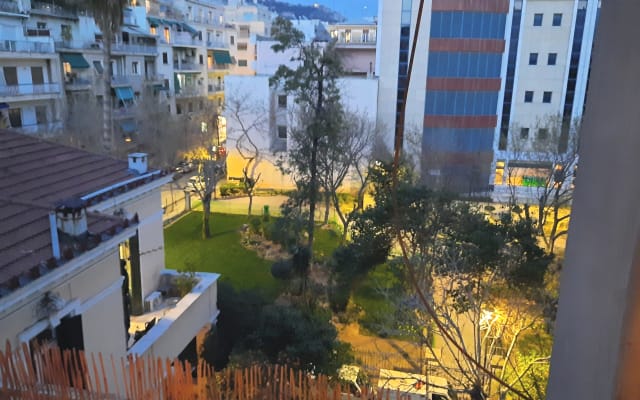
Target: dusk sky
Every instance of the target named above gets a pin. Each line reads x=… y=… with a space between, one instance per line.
x=353 y=10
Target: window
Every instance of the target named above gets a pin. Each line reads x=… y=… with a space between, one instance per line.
x=282 y=132
x=153 y=30
x=546 y=97
x=219 y=101
x=524 y=133
x=543 y=134
x=41 y=25
x=135 y=69
x=537 y=19
x=365 y=35
x=499 y=178
x=201 y=107
x=282 y=101
x=167 y=35
x=528 y=96
x=15 y=117
x=98 y=66
x=551 y=58
x=178 y=109
x=190 y=107
x=201 y=57
x=41 y=114
x=533 y=58
x=557 y=19
x=347 y=36
x=165 y=58
x=242 y=46
x=37 y=75
x=242 y=63
x=209 y=61
x=231 y=39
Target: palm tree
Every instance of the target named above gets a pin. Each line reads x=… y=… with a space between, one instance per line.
x=108 y=15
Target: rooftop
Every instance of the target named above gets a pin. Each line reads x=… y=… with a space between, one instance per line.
x=35 y=177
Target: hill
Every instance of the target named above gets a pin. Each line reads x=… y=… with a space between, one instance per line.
x=299 y=11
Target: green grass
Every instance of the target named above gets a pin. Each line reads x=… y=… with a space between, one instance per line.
x=325 y=241
x=222 y=253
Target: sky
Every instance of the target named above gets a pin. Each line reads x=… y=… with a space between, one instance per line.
x=353 y=10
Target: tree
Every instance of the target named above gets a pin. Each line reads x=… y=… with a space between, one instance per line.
x=108 y=15
x=81 y=130
x=544 y=173
x=211 y=161
x=320 y=113
x=250 y=124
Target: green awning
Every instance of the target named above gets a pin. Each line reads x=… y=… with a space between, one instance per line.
x=189 y=28
x=222 y=57
x=128 y=126
x=124 y=93
x=76 y=60
x=154 y=21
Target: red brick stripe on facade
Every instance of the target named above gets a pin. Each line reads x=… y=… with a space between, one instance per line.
x=493 y=6
x=460 y=121
x=464 y=84
x=468 y=45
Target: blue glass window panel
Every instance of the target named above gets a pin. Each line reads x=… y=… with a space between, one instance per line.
x=458 y=140
x=557 y=19
x=537 y=19
x=469 y=24
x=439 y=102
x=464 y=65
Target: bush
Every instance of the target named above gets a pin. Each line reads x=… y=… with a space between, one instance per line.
x=255 y=224
x=231 y=189
x=339 y=297
x=282 y=269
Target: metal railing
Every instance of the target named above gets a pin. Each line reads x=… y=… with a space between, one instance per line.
x=39 y=7
x=133 y=48
x=10 y=6
x=184 y=39
x=216 y=87
x=357 y=41
x=29 y=89
x=187 y=66
x=217 y=44
x=189 y=91
x=23 y=46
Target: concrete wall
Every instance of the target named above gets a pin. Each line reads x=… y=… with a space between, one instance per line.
x=596 y=351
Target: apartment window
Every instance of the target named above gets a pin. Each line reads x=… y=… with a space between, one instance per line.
x=551 y=58
x=528 y=96
x=282 y=132
x=201 y=57
x=499 y=178
x=231 y=39
x=41 y=114
x=546 y=97
x=165 y=58
x=242 y=46
x=135 y=68
x=10 y=76
x=537 y=19
x=153 y=30
x=219 y=101
x=209 y=61
x=167 y=35
x=98 y=66
x=524 y=133
x=533 y=58
x=41 y=25
x=347 y=36
x=15 y=117
x=242 y=63
x=557 y=19
x=365 y=35
x=543 y=134
x=190 y=107
x=282 y=101
x=178 y=109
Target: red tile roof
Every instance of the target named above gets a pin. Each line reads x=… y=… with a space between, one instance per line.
x=34 y=176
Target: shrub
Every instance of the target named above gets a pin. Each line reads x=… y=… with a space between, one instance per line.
x=282 y=269
x=231 y=189
x=255 y=225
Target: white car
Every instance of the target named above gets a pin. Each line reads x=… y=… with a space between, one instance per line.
x=195 y=184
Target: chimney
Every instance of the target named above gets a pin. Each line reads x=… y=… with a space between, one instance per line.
x=138 y=162
x=71 y=217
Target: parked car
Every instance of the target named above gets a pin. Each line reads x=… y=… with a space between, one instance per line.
x=184 y=167
x=195 y=183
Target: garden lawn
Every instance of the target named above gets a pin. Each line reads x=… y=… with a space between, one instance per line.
x=222 y=253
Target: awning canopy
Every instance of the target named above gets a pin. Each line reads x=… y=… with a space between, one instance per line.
x=128 y=126
x=222 y=57
x=189 y=28
x=76 y=60
x=124 y=93
x=153 y=21
x=136 y=32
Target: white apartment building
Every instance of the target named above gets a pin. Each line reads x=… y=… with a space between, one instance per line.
x=482 y=71
x=250 y=22
x=356 y=44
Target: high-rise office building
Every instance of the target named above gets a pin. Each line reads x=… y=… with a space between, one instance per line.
x=491 y=81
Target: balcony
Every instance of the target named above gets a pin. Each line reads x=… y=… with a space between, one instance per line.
x=215 y=87
x=11 y=6
x=185 y=39
x=37 y=32
x=54 y=10
x=29 y=89
x=74 y=83
x=186 y=66
x=133 y=48
x=172 y=321
x=42 y=128
x=154 y=79
x=216 y=44
x=126 y=80
x=356 y=42
x=189 y=91
x=23 y=46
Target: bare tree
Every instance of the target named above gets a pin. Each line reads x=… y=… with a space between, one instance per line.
x=81 y=129
x=206 y=153
x=248 y=123
x=541 y=171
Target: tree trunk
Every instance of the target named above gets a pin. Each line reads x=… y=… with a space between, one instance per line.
x=107 y=132
x=327 y=206
x=206 y=212
x=250 y=194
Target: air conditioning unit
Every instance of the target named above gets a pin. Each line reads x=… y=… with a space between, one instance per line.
x=153 y=301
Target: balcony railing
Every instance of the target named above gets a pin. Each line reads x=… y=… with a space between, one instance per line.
x=357 y=42
x=42 y=128
x=126 y=80
x=10 y=6
x=133 y=48
x=29 y=89
x=186 y=66
x=77 y=83
x=37 y=32
x=184 y=38
x=38 y=7
x=216 y=87
x=23 y=46
x=189 y=91
x=216 y=44
x=175 y=319
x=154 y=78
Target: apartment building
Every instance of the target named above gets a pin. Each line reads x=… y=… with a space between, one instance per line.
x=82 y=249
x=251 y=21
x=31 y=91
x=482 y=70
x=356 y=44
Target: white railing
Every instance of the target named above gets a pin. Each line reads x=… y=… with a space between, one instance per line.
x=23 y=46
x=29 y=89
x=133 y=48
x=186 y=66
